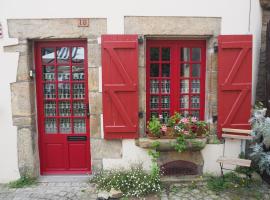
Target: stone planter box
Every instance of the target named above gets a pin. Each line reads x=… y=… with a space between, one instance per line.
x=168 y=144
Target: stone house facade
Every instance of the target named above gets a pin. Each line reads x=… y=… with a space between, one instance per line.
x=47 y=34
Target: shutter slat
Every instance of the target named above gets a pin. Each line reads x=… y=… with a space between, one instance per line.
x=120 y=86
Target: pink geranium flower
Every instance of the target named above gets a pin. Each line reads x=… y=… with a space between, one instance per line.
x=164 y=128
x=160 y=116
x=184 y=120
x=193 y=119
x=186 y=133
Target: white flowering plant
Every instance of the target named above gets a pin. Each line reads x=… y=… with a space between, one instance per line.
x=134 y=182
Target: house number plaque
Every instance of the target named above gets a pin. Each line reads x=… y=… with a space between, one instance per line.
x=83 y=22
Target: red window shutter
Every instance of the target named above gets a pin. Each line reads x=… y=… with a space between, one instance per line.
x=234 y=81
x=120 y=86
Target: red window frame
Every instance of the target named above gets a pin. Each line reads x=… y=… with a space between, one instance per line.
x=175 y=70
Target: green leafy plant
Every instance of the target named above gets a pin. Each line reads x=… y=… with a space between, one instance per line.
x=181 y=143
x=154 y=126
x=174 y=119
x=24 y=181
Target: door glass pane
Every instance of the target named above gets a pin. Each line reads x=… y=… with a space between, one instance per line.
x=154 y=86
x=48 y=73
x=77 y=54
x=195 y=86
x=165 y=102
x=63 y=73
x=50 y=108
x=78 y=91
x=50 y=125
x=184 y=101
x=195 y=101
x=79 y=126
x=154 y=54
x=165 y=86
x=154 y=70
x=165 y=70
x=63 y=55
x=184 y=86
x=78 y=108
x=196 y=70
x=48 y=55
x=165 y=54
x=65 y=125
x=154 y=102
x=196 y=54
x=184 y=113
x=49 y=91
x=63 y=90
x=185 y=54
x=78 y=73
x=64 y=108
x=184 y=72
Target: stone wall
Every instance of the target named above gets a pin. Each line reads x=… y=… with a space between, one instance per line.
x=23 y=97
x=261 y=84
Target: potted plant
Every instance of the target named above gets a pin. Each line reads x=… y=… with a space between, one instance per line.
x=154 y=128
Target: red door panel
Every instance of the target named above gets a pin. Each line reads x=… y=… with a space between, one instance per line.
x=62 y=102
x=120 y=86
x=234 y=81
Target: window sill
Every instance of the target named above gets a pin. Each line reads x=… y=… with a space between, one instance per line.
x=167 y=144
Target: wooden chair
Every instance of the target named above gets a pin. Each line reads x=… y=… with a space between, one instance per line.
x=239 y=134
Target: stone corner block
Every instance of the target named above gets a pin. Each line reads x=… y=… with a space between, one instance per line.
x=101 y=148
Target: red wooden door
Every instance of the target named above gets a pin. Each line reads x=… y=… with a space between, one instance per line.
x=234 y=81
x=62 y=104
x=120 y=86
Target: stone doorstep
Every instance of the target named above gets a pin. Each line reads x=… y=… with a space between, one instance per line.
x=64 y=178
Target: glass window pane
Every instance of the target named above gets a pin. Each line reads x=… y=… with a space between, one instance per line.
x=78 y=108
x=48 y=55
x=165 y=116
x=154 y=114
x=154 y=102
x=63 y=90
x=184 y=113
x=184 y=101
x=154 y=86
x=196 y=54
x=195 y=101
x=196 y=70
x=78 y=73
x=154 y=70
x=195 y=86
x=65 y=125
x=63 y=73
x=165 y=54
x=165 y=70
x=165 y=86
x=50 y=125
x=195 y=113
x=79 y=126
x=154 y=54
x=184 y=86
x=63 y=55
x=78 y=91
x=48 y=73
x=77 y=54
x=49 y=91
x=165 y=102
x=184 y=72
x=50 y=108
x=185 y=54
x=64 y=108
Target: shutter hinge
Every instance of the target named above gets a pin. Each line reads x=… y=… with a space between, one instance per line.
x=140 y=114
x=215 y=47
x=215 y=118
x=140 y=40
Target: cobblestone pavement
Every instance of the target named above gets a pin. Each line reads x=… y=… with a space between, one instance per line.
x=86 y=191
x=50 y=191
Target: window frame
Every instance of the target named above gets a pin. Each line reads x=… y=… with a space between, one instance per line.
x=175 y=61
